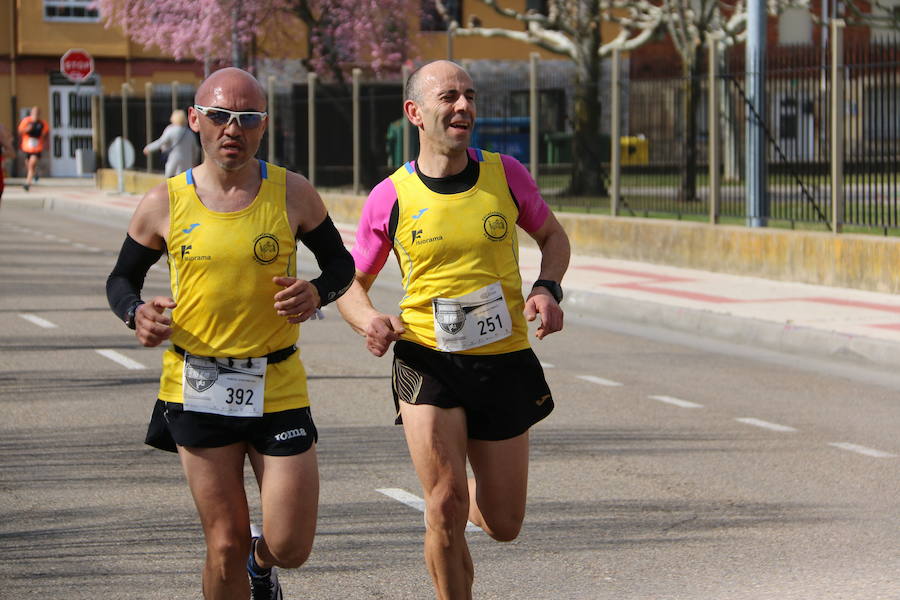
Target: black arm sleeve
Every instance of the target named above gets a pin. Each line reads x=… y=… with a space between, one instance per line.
x=333 y=258
x=123 y=286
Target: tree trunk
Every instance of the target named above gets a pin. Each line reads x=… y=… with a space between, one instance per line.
x=587 y=176
x=692 y=92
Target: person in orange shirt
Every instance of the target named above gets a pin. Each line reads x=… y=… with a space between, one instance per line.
x=33 y=134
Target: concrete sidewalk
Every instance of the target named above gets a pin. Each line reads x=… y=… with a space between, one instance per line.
x=811 y=320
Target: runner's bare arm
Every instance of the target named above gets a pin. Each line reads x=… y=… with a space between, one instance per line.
x=304 y=205
x=150 y=222
x=555 y=253
x=309 y=219
x=379 y=329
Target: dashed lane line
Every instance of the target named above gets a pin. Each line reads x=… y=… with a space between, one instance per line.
x=862 y=450
x=676 y=401
x=599 y=380
x=121 y=359
x=547 y=365
x=36 y=320
x=415 y=502
x=766 y=424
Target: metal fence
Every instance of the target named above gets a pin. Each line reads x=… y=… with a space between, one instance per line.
x=798 y=134
x=654 y=176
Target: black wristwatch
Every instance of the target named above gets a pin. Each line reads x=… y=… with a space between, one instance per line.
x=129 y=316
x=552 y=286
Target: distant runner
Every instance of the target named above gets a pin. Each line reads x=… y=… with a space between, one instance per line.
x=33 y=133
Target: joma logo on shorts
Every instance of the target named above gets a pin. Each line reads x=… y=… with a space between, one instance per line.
x=290 y=434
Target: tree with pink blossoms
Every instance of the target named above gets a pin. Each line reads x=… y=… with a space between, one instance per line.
x=340 y=33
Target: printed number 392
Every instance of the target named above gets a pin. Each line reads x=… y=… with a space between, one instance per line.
x=239 y=396
x=490 y=325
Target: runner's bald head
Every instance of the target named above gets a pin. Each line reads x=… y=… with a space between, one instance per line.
x=415 y=83
x=230 y=81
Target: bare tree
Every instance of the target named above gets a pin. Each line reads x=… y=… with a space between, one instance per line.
x=571 y=28
x=691 y=24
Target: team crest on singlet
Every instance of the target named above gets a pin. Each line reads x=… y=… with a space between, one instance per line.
x=449 y=315
x=200 y=372
x=496 y=227
x=265 y=248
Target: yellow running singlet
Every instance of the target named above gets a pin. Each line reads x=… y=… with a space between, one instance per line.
x=451 y=245
x=221 y=267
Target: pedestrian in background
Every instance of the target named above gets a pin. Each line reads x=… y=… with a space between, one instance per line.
x=179 y=142
x=33 y=133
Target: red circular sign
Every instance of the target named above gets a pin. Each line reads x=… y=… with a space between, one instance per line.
x=77 y=65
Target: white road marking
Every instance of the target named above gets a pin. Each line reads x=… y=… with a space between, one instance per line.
x=121 y=359
x=766 y=424
x=599 y=380
x=547 y=365
x=862 y=450
x=36 y=320
x=415 y=502
x=676 y=401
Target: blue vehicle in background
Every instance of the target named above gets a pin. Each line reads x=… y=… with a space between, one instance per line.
x=508 y=135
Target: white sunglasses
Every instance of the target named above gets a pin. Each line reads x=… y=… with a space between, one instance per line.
x=246 y=119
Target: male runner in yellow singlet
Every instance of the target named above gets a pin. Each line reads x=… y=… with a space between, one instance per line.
x=232 y=383
x=466 y=383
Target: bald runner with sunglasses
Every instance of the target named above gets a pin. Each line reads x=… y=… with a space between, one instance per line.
x=232 y=383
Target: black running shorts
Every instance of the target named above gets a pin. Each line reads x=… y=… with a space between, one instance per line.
x=283 y=433
x=503 y=395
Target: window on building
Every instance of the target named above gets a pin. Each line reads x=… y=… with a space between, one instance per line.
x=70 y=10
x=433 y=20
x=551 y=108
x=538 y=6
x=535 y=6
x=795 y=27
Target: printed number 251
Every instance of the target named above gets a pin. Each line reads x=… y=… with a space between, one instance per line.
x=490 y=325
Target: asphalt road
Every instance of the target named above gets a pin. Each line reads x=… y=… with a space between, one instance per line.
x=672 y=468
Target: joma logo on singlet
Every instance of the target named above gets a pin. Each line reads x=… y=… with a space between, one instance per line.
x=290 y=434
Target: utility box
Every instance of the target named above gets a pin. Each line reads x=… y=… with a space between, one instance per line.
x=635 y=150
x=559 y=147
x=85 y=162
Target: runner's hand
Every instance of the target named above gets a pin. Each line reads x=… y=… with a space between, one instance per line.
x=381 y=332
x=151 y=325
x=298 y=300
x=541 y=302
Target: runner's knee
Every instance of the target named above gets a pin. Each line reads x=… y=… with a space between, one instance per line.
x=291 y=553
x=226 y=555
x=503 y=527
x=448 y=507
